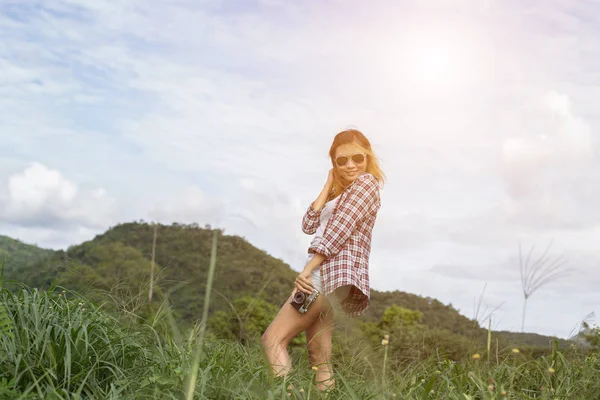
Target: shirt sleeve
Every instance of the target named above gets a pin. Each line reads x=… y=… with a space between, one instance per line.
x=362 y=200
x=310 y=221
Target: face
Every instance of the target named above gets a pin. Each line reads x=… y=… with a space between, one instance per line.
x=352 y=169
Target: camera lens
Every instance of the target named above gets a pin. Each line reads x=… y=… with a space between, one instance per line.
x=299 y=297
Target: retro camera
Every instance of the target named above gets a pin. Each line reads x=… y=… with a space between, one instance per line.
x=301 y=301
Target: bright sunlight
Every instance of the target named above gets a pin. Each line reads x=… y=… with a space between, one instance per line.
x=435 y=63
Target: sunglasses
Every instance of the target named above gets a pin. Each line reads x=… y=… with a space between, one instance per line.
x=356 y=159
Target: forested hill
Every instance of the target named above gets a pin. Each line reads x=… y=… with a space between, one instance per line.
x=17 y=254
x=183 y=252
x=122 y=255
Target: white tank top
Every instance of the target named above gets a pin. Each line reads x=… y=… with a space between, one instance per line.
x=326 y=213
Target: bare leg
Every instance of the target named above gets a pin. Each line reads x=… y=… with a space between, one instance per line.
x=285 y=326
x=318 y=338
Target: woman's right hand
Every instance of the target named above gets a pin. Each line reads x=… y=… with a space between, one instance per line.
x=304 y=283
x=330 y=180
x=320 y=201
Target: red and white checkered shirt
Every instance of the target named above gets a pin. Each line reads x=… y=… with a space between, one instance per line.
x=346 y=242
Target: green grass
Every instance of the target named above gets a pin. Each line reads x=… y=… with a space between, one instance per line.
x=58 y=345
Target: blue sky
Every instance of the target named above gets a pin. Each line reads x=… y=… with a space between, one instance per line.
x=484 y=115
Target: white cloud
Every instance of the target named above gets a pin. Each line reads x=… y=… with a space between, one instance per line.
x=41 y=196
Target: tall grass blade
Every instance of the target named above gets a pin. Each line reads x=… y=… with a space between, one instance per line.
x=196 y=360
x=349 y=391
x=489 y=339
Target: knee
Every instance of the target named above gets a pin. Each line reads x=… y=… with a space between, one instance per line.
x=268 y=339
x=265 y=338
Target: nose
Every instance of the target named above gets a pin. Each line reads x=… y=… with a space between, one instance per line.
x=350 y=164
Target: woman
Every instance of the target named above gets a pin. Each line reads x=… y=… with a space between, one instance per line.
x=341 y=218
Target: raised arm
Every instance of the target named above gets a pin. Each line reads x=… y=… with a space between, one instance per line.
x=362 y=200
x=310 y=221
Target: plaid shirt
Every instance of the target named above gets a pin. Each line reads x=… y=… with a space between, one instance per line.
x=346 y=242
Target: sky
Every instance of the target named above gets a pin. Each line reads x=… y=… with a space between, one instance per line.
x=483 y=113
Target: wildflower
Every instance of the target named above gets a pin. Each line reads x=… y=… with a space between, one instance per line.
x=516 y=351
x=80 y=303
x=386 y=337
x=60 y=295
x=476 y=356
x=64 y=291
x=301 y=390
x=551 y=370
x=504 y=393
x=384 y=342
x=315 y=368
x=491 y=388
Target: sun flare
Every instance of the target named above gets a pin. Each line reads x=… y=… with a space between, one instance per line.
x=436 y=59
x=435 y=64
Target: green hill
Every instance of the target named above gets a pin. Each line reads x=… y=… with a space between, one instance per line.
x=121 y=256
x=183 y=252
x=18 y=256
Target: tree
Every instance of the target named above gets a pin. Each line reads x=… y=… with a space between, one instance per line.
x=395 y=315
x=401 y=325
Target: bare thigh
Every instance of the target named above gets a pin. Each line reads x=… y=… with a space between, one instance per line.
x=288 y=322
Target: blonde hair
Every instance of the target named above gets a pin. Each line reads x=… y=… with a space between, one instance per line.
x=354 y=136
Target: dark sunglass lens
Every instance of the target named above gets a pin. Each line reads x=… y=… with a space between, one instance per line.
x=341 y=161
x=358 y=158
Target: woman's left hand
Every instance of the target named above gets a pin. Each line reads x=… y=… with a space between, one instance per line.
x=304 y=282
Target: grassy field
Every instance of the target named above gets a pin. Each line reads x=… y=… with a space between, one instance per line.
x=55 y=345
x=58 y=345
